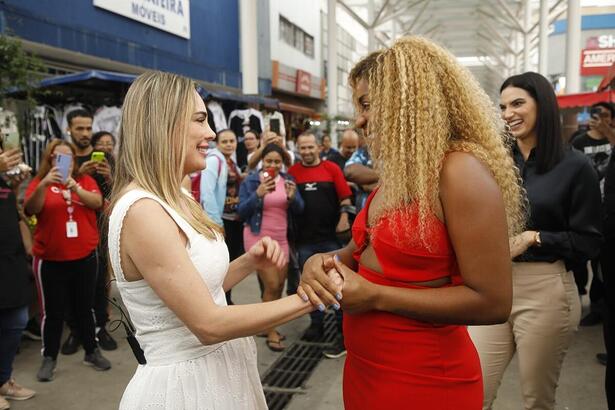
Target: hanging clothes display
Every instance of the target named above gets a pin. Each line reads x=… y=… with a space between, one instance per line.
x=218 y=115
x=107 y=119
x=241 y=121
x=276 y=115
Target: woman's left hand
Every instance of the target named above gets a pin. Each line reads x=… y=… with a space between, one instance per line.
x=291 y=189
x=72 y=184
x=266 y=253
x=359 y=295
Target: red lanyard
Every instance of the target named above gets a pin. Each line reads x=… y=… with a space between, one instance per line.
x=67 y=195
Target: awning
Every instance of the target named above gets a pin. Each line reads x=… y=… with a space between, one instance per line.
x=210 y=92
x=94 y=76
x=585 y=99
x=608 y=79
x=297 y=108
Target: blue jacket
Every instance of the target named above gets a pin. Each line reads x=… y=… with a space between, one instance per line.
x=213 y=185
x=250 y=208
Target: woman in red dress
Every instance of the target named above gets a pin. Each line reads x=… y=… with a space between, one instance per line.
x=430 y=251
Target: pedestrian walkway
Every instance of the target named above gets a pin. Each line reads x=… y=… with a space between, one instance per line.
x=77 y=387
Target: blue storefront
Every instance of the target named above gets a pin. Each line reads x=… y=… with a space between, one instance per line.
x=77 y=35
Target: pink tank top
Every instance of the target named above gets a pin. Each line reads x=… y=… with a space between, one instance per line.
x=275 y=208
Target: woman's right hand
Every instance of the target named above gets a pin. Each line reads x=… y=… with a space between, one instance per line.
x=52 y=177
x=9 y=159
x=317 y=284
x=267 y=186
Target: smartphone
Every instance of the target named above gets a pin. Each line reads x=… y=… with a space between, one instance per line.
x=270 y=173
x=11 y=141
x=98 y=156
x=274 y=125
x=63 y=163
x=595 y=113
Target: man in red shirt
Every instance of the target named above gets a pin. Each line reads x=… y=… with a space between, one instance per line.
x=326 y=195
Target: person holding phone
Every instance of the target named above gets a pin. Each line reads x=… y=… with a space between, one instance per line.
x=93 y=157
x=65 y=241
x=268 y=202
x=16 y=280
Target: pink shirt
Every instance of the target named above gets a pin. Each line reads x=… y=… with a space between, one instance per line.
x=275 y=209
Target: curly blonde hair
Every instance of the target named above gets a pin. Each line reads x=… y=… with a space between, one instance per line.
x=424 y=104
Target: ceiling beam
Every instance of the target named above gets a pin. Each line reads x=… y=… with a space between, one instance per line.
x=511 y=16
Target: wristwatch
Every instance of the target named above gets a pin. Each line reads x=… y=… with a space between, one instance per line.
x=537 y=239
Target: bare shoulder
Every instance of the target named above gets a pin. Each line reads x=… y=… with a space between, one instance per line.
x=148 y=220
x=463 y=173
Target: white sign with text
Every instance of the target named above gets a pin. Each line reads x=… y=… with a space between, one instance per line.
x=172 y=16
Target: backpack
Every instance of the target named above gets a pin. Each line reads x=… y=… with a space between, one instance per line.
x=196 y=181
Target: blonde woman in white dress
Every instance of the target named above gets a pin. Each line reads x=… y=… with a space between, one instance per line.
x=172 y=266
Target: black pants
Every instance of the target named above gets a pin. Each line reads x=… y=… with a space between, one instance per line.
x=596 y=289
x=233 y=236
x=63 y=284
x=101 y=303
x=608 y=272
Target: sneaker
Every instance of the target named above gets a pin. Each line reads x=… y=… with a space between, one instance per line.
x=314 y=333
x=336 y=350
x=13 y=391
x=32 y=330
x=4 y=405
x=45 y=373
x=602 y=358
x=591 y=319
x=105 y=341
x=71 y=345
x=97 y=360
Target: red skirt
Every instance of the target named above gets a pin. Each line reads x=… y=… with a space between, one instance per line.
x=395 y=362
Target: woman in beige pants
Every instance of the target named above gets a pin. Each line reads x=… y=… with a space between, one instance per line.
x=564 y=226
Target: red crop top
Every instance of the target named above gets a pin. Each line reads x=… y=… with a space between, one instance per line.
x=412 y=261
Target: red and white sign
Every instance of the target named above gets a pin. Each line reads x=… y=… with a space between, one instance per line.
x=597 y=61
x=304 y=82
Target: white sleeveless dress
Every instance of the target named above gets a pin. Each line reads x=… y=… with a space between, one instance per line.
x=182 y=373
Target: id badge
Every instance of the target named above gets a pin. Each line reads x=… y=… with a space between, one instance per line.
x=71 y=229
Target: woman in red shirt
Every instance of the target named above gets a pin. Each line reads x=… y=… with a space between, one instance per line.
x=430 y=251
x=65 y=243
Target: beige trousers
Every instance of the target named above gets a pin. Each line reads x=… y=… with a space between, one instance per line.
x=545 y=314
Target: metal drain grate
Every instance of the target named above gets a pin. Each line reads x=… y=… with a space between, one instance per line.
x=288 y=374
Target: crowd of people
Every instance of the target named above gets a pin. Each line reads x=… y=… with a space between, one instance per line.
x=375 y=229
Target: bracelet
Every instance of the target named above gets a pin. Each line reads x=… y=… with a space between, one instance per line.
x=537 y=239
x=348 y=209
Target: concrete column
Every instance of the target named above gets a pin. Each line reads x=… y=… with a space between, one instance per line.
x=394 y=31
x=371 y=34
x=573 y=47
x=332 y=67
x=527 y=24
x=543 y=43
x=249 y=46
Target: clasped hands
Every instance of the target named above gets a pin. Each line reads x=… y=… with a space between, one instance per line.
x=326 y=281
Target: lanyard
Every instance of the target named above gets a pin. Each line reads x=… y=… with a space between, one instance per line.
x=66 y=194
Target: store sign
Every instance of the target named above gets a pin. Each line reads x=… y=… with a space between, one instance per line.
x=304 y=82
x=597 y=61
x=172 y=16
x=604 y=41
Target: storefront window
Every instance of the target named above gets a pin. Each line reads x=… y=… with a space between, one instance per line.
x=308 y=45
x=287 y=33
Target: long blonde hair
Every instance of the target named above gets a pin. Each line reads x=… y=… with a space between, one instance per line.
x=423 y=105
x=155 y=117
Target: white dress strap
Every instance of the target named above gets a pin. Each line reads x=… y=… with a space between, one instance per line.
x=116 y=221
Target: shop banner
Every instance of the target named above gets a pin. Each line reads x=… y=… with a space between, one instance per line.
x=172 y=16
x=597 y=61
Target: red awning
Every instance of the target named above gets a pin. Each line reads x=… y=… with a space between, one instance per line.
x=608 y=79
x=584 y=99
